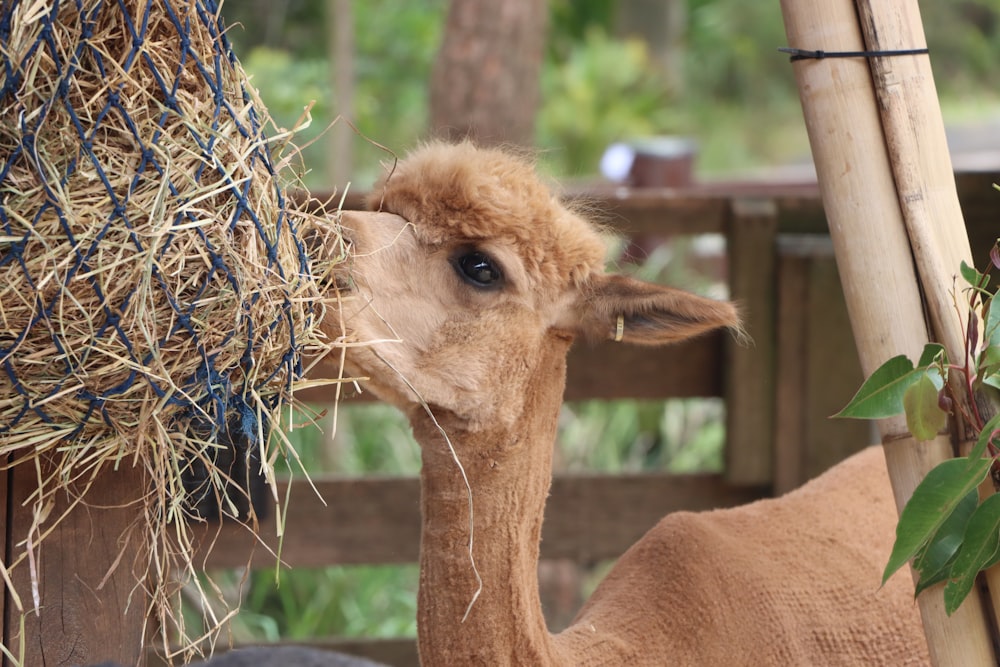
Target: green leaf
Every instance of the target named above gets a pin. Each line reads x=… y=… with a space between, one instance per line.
x=933 y=501
x=972 y=276
x=984 y=437
x=882 y=394
x=923 y=416
x=988 y=370
x=932 y=352
x=991 y=332
x=979 y=549
x=933 y=562
x=934 y=359
x=989 y=360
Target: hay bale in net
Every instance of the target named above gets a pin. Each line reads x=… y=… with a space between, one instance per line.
x=155 y=293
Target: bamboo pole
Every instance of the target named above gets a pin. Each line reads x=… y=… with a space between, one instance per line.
x=921 y=163
x=925 y=182
x=876 y=266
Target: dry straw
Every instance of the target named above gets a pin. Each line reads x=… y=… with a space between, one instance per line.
x=155 y=294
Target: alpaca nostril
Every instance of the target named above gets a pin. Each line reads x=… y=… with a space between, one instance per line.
x=344 y=282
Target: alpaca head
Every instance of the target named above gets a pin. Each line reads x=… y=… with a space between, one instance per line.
x=470 y=264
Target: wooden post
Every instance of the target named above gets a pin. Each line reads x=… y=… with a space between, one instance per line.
x=791 y=376
x=93 y=606
x=816 y=374
x=5 y=553
x=750 y=376
x=874 y=254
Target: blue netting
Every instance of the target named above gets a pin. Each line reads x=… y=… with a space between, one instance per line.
x=138 y=142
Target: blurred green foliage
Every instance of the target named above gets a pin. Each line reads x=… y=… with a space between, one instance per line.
x=732 y=54
x=359 y=601
x=395 y=43
x=738 y=97
x=964 y=41
x=604 y=90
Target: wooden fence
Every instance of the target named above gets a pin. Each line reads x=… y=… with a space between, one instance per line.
x=779 y=392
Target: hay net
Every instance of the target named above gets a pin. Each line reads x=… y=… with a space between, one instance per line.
x=155 y=293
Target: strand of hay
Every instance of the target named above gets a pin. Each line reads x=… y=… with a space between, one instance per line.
x=156 y=296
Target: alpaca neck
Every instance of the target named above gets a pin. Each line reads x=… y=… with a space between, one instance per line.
x=509 y=471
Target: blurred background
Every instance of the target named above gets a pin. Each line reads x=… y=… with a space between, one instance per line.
x=584 y=74
x=568 y=78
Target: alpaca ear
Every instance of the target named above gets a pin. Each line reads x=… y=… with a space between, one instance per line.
x=615 y=307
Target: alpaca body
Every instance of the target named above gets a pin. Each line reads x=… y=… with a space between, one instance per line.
x=785 y=581
x=474 y=280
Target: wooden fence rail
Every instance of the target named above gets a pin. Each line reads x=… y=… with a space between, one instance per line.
x=376 y=520
x=779 y=392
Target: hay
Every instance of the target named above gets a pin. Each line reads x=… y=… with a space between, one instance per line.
x=155 y=293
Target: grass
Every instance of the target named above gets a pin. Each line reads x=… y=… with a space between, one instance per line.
x=679 y=436
x=356 y=601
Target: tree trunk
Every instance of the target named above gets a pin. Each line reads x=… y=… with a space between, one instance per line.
x=485 y=83
x=340 y=50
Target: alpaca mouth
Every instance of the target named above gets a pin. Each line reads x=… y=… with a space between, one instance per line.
x=342 y=278
x=329 y=250
x=343 y=282
x=332 y=278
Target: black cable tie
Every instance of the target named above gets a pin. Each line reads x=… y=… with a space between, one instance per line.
x=805 y=54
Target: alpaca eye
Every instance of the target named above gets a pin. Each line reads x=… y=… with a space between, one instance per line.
x=478 y=269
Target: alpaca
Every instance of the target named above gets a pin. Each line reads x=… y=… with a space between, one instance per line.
x=472 y=279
